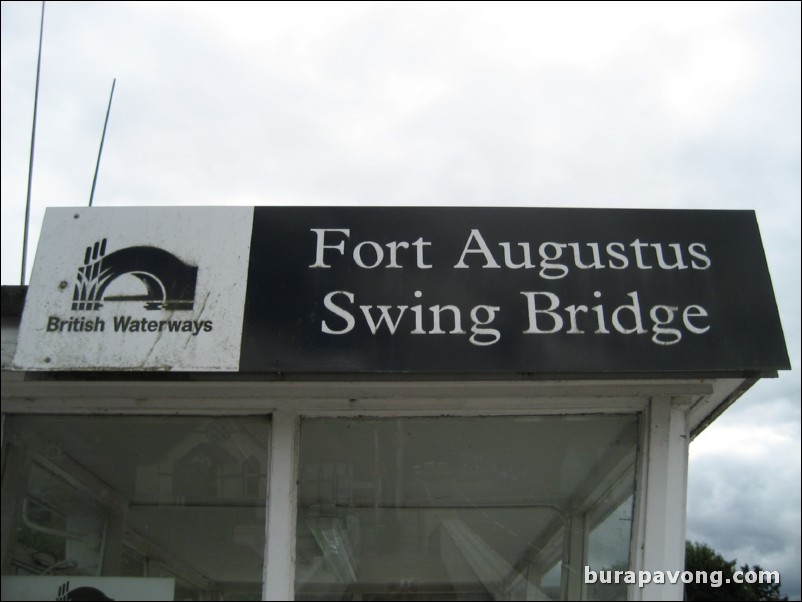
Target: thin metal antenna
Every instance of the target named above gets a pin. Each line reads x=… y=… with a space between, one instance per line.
x=102 y=138
x=30 y=161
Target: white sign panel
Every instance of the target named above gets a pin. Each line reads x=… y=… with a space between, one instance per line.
x=157 y=288
x=87 y=588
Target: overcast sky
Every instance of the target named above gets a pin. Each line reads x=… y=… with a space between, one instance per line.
x=659 y=105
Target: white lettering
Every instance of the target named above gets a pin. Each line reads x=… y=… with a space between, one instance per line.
x=377 y=251
x=338 y=311
x=322 y=246
x=490 y=315
x=547 y=316
x=534 y=311
x=699 y=251
x=698 y=312
x=483 y=249
x=634 y=309
x=384 y=317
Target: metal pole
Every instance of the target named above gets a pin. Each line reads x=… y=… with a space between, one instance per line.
x=30 y=161
x=102 y=138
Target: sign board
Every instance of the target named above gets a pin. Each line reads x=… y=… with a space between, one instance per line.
x=563 y=292
x=133 y=288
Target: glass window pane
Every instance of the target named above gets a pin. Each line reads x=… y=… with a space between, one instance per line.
x=608 y=544
x=176 y=502
x=454 y=508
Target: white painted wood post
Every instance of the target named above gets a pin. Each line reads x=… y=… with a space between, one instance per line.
x=279 y=570
x=664 y=496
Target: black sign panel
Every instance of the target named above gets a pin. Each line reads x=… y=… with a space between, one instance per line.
x=513 y=290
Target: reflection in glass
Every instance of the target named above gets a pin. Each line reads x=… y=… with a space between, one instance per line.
x=607 y=545
x=456 y=508
x=181 y=498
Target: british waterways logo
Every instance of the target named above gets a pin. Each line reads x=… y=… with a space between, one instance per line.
x=169 y=283
x=142 y=276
